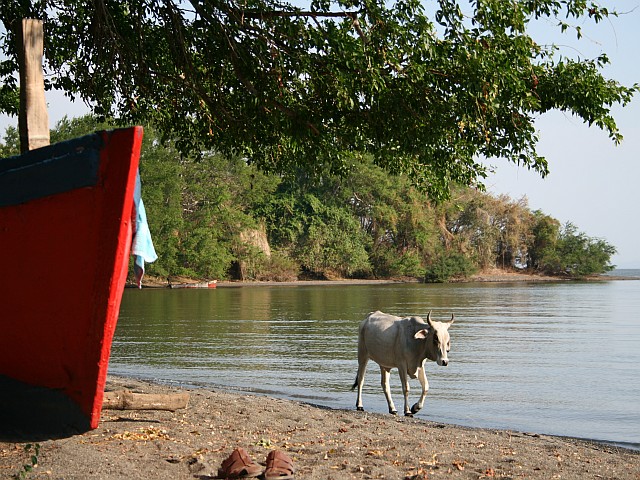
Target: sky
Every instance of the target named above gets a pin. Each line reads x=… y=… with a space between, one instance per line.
x=593 y=184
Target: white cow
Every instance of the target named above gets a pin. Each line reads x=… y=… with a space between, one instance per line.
x=402 y=343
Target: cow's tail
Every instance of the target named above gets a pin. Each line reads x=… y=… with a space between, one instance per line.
x=355 y=384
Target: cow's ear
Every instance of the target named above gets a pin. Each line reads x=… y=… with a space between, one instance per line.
x=421 y=334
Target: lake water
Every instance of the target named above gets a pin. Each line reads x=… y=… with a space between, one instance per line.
x=554 y=358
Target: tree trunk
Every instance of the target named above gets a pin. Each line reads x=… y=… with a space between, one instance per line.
x=125 y=400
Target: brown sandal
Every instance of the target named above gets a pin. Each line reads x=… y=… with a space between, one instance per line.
x=279 y=466
x=239 y=465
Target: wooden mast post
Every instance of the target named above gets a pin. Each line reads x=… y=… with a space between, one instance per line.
x=33 y=119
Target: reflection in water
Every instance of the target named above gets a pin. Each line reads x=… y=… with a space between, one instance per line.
x=560 y=358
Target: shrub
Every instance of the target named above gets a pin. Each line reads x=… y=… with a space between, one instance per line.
x=336 y=246
x=449 y=265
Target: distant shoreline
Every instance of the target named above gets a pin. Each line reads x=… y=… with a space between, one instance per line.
x=493 y=275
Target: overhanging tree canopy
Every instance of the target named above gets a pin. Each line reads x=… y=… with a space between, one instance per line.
x=425 y=94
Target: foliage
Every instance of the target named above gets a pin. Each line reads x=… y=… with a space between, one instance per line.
x=199 y=206
x=333 y=242
x=449 y=265
x=162 y=186
x=68 y=128
x=545 y=234
x=576 y=255
x=33 y=451
x=424 y=91
x=9 y=100
x=324 y=239
x=11 y=145
x=218 y=217
x=494 y=230
x=278 y=267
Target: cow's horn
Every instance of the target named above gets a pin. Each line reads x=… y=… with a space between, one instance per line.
x=429 y=317
x=452 y=318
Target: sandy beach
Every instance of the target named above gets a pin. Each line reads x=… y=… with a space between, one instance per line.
x=191 y=443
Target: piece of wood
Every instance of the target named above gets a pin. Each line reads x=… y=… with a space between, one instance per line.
x=126 y=400
x=33 y=120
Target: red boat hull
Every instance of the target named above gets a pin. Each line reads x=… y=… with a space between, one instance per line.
x=64 y=263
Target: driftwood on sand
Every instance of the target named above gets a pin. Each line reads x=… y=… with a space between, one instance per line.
x=126 y=400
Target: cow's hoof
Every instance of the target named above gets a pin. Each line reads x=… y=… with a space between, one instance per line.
x=393 y=412
x=360 y=409
x=416 y=408
x=408 y=414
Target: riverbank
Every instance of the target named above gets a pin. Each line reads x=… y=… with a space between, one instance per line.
x=324 y=444
x=489 y=275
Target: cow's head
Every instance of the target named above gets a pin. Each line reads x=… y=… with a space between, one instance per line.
x=438 y=342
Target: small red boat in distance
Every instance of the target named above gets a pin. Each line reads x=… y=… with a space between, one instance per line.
x=66 y=220
x=211 y=284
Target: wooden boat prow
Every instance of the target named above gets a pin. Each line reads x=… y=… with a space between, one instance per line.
x=65 y=227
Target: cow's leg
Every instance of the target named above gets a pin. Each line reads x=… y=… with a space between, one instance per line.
x=422 y=376
x=384 y=380
x=363 y=359
x=404 y=381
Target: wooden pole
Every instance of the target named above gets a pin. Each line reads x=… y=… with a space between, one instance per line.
x=33 y=120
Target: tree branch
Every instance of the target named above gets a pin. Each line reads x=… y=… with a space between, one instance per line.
x=302 y=14
x=282 y=14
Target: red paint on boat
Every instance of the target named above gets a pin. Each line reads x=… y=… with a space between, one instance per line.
x=64 y=264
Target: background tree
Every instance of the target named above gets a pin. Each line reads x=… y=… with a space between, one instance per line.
x=11 y=145
x=575 y=254
x=218 y=217
x=543 y=242
x=480 y=231
x=426 y=93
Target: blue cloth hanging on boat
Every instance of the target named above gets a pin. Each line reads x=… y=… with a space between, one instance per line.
x=141 y=245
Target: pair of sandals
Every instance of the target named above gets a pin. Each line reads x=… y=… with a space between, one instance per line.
x=240 y=465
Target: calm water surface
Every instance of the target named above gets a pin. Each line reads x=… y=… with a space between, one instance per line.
x=556 y=358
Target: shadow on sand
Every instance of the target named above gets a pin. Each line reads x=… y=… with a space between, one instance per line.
x=31 y=414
